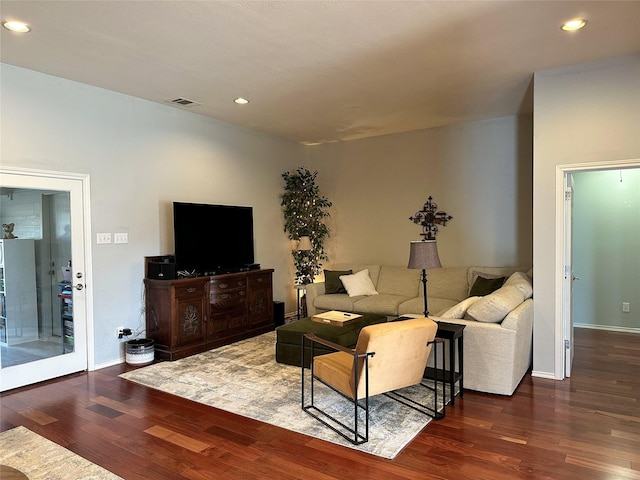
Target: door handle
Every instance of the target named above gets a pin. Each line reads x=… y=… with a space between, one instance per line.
x=573 y=277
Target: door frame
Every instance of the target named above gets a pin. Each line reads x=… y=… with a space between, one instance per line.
x=563 y=253
x=86 y=235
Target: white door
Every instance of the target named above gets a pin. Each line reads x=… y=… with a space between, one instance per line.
x=27 y=362
x=568 y=274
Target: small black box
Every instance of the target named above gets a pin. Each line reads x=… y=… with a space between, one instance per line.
x=278 y=313
x=162 y=270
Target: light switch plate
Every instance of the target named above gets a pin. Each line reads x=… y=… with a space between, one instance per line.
x=120 y=238
x=102 y=238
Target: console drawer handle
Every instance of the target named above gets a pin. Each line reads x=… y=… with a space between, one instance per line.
x=191 y=289
x=223 y=285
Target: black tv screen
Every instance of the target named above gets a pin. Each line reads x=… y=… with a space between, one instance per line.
x=212 y=239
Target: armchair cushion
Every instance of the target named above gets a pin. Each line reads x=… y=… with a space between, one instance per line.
x=400 y=355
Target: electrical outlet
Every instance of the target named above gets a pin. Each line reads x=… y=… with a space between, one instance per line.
x=625 y=307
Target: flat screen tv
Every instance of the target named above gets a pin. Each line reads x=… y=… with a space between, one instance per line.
x=212 y=239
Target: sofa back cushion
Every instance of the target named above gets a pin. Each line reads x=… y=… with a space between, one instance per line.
x=399 y=281
x=449 y=283
x=374 y=269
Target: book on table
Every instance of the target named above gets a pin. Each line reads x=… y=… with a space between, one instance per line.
x=334 y=317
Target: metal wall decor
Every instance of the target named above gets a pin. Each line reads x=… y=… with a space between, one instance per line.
x=429 y=218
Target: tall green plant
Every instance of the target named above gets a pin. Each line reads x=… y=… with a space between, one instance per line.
x=304 y=210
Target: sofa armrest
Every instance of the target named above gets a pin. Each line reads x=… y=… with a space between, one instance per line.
x=496 y=356
x=312 y=291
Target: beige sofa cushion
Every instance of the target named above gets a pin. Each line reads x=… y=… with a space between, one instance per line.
x=416 y=306
x=383 y=304
x=450 y=283
x=336 y=301
x=399 y=281
x=495 y=306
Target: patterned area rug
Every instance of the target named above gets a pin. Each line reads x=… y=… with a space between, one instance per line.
x=245 y=379
x=39 y=458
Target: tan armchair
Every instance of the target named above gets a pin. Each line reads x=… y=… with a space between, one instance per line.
x=387 y=357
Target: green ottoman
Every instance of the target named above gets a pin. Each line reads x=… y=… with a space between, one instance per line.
x=289 y=337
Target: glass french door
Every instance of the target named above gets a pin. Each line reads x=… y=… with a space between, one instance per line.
x=43 y=295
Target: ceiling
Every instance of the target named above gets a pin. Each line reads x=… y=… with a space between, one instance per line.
x=319 y=71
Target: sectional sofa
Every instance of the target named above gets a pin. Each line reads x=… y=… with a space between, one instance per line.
x=498 y=321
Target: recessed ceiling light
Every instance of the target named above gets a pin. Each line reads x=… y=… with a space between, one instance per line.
x=16 y=26
x=573 y=24
x=241 y=101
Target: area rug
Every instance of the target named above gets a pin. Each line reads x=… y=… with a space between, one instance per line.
x=39 y=458
x=245 y=379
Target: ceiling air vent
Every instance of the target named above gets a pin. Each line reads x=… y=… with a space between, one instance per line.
x=184 y=102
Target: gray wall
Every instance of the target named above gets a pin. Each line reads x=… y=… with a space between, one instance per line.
x=606 y=249
x=584 y=115
x=478 y=172
x=141 y=156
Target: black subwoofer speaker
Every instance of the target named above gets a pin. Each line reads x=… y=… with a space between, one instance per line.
x=278 y=313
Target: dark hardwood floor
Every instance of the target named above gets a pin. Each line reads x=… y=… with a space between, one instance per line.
x=586 y=427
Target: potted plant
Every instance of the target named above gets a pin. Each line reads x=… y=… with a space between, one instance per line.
x=304 y=210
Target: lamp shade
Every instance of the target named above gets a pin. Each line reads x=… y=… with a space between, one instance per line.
x=304 y=244
x=424 y=255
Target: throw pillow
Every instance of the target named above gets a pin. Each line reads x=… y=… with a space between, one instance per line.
x=484 y=286
x=523 y=282
x=459 y=310
x=358 y=283
x=332 y=282
x=495 y=306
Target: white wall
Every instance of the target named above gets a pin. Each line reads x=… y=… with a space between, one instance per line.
x=585 y=114
x=141 y=156
x=479 y=172
x=606 y=249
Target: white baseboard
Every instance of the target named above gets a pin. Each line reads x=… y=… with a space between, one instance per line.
x=110 y=363
x=609 y=328
x=547 y=375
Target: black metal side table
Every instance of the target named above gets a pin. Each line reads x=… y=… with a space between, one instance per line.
x=301 y=300
x=453 y=333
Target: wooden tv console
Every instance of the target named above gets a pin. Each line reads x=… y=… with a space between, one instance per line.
x=192 y=315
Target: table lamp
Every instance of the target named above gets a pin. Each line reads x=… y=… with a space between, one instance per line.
x=424 y=255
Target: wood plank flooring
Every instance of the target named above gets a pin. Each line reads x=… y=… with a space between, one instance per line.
x=586 y=427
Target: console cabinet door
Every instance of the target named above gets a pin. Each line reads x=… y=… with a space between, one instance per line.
x=260 y=299
x=228 y=305
x=192 y=309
